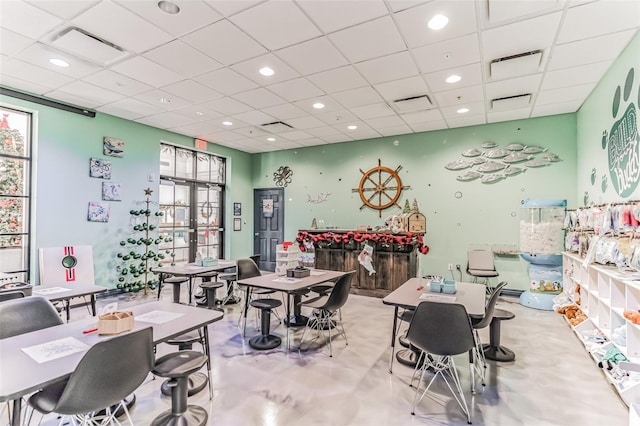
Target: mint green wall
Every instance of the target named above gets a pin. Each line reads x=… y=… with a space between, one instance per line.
x=596 y=116
x=65 y=143
x=486 y=213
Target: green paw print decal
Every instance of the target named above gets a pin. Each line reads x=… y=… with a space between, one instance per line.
x=622 y=141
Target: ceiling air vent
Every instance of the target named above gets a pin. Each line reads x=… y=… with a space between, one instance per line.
x=414 y=103
x=516 y=65
x=87 y=46
x=510 y=103
x=276 y=127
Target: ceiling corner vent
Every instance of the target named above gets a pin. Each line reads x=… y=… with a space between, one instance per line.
x=84 y=45
x=510 y=103
x=412 y=104
x=516 y=65
x=276 y=127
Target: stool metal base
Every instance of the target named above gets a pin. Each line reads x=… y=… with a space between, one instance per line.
x=265 y=342
x=498 y=353
x=296 y=321
x=408 y=357
x=404 y=342
x=197 y=382
x=194 y=415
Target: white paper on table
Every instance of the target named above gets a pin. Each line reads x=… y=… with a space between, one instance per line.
x=438 y=298
x=286 y=280
x=55 y=349
x=318 y=272
x=158 y=317
x=50 y=290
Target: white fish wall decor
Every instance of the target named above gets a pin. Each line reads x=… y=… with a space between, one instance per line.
x=491 y=167
x=459 y=165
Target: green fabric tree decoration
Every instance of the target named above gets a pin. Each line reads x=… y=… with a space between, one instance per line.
x=407 y=208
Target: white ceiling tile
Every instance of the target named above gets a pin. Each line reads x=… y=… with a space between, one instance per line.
x=88 y=91
x=65 y=9
x=459 y=96
x=305 y=123
x=448 y=54
x=471 y=76
x=73 y=98
x=312 y=56
x=516 y=114
x=558 y=108
x=201 y=128
x=154 y=97
x=27 y=20
x=284 y=111
x=259 y=98
x=338 y=80
x=197 y=113
x=252 y=132
x=513 y=87
x=131 y=32
x=471 y=120
x=117 y=83
x=250 y=69
x=335 y=15
x=369 y=40
x=591 y=73
x=393 y=131
x=193 y=15
x=254 y=117
x=385 y=122
x=336 y=138
x=475 y=108
x=164 y=120
x=129 y=108
x=226 y=106
x=311 y=142
x=11 y=43
x=362 y=132
x=295 y=135
x=357 y=97
x=143 y=69
x=421 y=116
x=230 y=7
x=429 y=126
x=413 y=22
x=520 y=37
x=387 y=68
x=398 y=5
x=232 y=45
x=294 y=90
x=572 y=93
x=330 y=105
x=401 y=89
x=226 y=81
x=226 y=136
x=182 y=58
x=598 y=18
x=334 y=117
x=21 y=85
x=32 y=74
x=286 y=144
x=39 y=54
x=191 y=91
x=372 y=111
x=276 y=24
x=323 y=131
x=588 y=51
x=505 y=10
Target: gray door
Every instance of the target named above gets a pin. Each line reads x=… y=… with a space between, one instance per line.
x=268 y=225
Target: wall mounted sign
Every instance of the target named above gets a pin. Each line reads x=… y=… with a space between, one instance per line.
x=267 y=207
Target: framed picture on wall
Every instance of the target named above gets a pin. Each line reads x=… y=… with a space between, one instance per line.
x=237 y=224
x=112 y=147
x=98 y=212
x=111 y=191
x=99 y=168
x=237 y=209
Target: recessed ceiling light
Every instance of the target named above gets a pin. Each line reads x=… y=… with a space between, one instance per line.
x=352 y=127
x=227 y=123
x=59 y=62
x=271 y=139
x=199 y=113
x=266 y=71
x=318 y=105
x=168 y=7
x=463 y=110
x=453 y=78
x=438 y=22
x=165 y=100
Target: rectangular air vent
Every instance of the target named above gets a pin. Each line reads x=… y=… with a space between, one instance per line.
x=412 y=104
x=510 y=103
x=276 y=127
x=516 y=65
x=87 y=46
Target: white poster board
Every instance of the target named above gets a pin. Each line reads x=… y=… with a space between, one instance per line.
x=66 y=265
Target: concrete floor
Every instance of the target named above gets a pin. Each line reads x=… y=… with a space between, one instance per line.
x=553 y=381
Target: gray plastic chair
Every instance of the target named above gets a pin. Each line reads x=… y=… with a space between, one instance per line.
x=480 y=265
x=27 y=314
x=440 y=331
x=10 y=295
x=326 y=306
x=110 y=371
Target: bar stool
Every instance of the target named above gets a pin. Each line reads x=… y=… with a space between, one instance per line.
x=209 y=289
x=297 y=319
x=411 y=355
x=206 y=278
x=494 y=351
x=176 y=282
x=177 y=367
x=265 y=340
x=197 y=381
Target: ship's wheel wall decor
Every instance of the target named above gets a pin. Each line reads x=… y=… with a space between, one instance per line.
x=380 y=188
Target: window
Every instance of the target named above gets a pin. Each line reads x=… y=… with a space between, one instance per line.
x=15 y=191
x=191 y=197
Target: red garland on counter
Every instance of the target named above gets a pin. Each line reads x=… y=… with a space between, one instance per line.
x=407 y=239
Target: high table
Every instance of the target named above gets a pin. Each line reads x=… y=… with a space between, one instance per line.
x=190 y=271
x=22 y=375
x=287 y=285
x=66 y=292
x=410 y=294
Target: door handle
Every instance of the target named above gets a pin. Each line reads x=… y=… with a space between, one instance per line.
x=256 y=234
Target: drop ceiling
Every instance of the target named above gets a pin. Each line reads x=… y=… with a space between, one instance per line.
x=189 y=72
